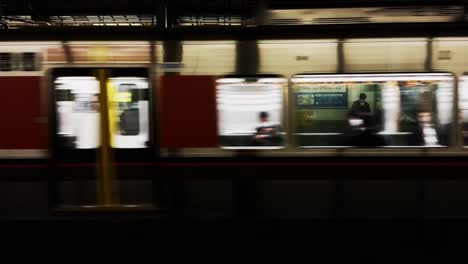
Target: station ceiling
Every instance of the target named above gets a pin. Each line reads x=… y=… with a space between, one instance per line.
x=20 y=13
x=71 y=7
x=185 y=7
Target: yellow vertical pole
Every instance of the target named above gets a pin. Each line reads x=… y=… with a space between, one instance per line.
x=112 y=185
x=107 y=189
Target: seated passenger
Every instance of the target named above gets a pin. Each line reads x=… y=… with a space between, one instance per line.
x=267 y=134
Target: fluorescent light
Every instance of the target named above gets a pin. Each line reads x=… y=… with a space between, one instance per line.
x=270 y=148
x=330 y=147
x=231 y=80
x=368 y=78
x=370 y=74
x=318 y=134
x=272 y=80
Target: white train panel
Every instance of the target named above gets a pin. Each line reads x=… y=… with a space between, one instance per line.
x=385 y=55
x=289 y=57
x=208 y=57
x=449 y=54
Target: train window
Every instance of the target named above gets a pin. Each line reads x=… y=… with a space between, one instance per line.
x=373 y=110
x=129 y=112
x=6 y=61
x=30 y=61
x=27 y=61
x=78 y=110
x=16 y=62
x=250 y=112
x=463 y=106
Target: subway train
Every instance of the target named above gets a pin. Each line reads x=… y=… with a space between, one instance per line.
x=127 y=123
x=148 y=101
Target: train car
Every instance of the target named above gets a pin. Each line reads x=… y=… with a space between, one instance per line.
x=176 y=126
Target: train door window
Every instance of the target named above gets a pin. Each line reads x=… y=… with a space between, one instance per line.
x=250 y=112
x=129 y=112
x=6 y=61
x=373 y=110
x=77 y=106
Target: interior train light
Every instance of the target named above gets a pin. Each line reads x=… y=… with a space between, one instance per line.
x=231 y=80
x=367 y=78
x=371 y=75
x=272 y=80
x=75 y=78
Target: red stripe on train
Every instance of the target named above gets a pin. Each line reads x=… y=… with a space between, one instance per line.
x=237 y=164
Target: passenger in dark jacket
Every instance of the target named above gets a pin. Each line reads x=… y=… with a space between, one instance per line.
x=362 y=132
x=360 y=109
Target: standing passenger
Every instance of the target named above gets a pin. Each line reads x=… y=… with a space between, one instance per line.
x=361 y=110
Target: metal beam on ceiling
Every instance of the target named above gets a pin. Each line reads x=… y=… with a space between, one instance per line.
x=243 y=33
x=287 y=4
x=77 y=7
x=169 y=13
x=192 y=7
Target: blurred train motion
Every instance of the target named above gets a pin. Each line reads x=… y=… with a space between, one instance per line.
x=201 y=106
x=117 y=108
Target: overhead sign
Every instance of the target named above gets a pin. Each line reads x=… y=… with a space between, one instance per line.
x=321 y=96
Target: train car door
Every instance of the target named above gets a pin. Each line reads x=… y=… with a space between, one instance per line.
x=101 y=137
